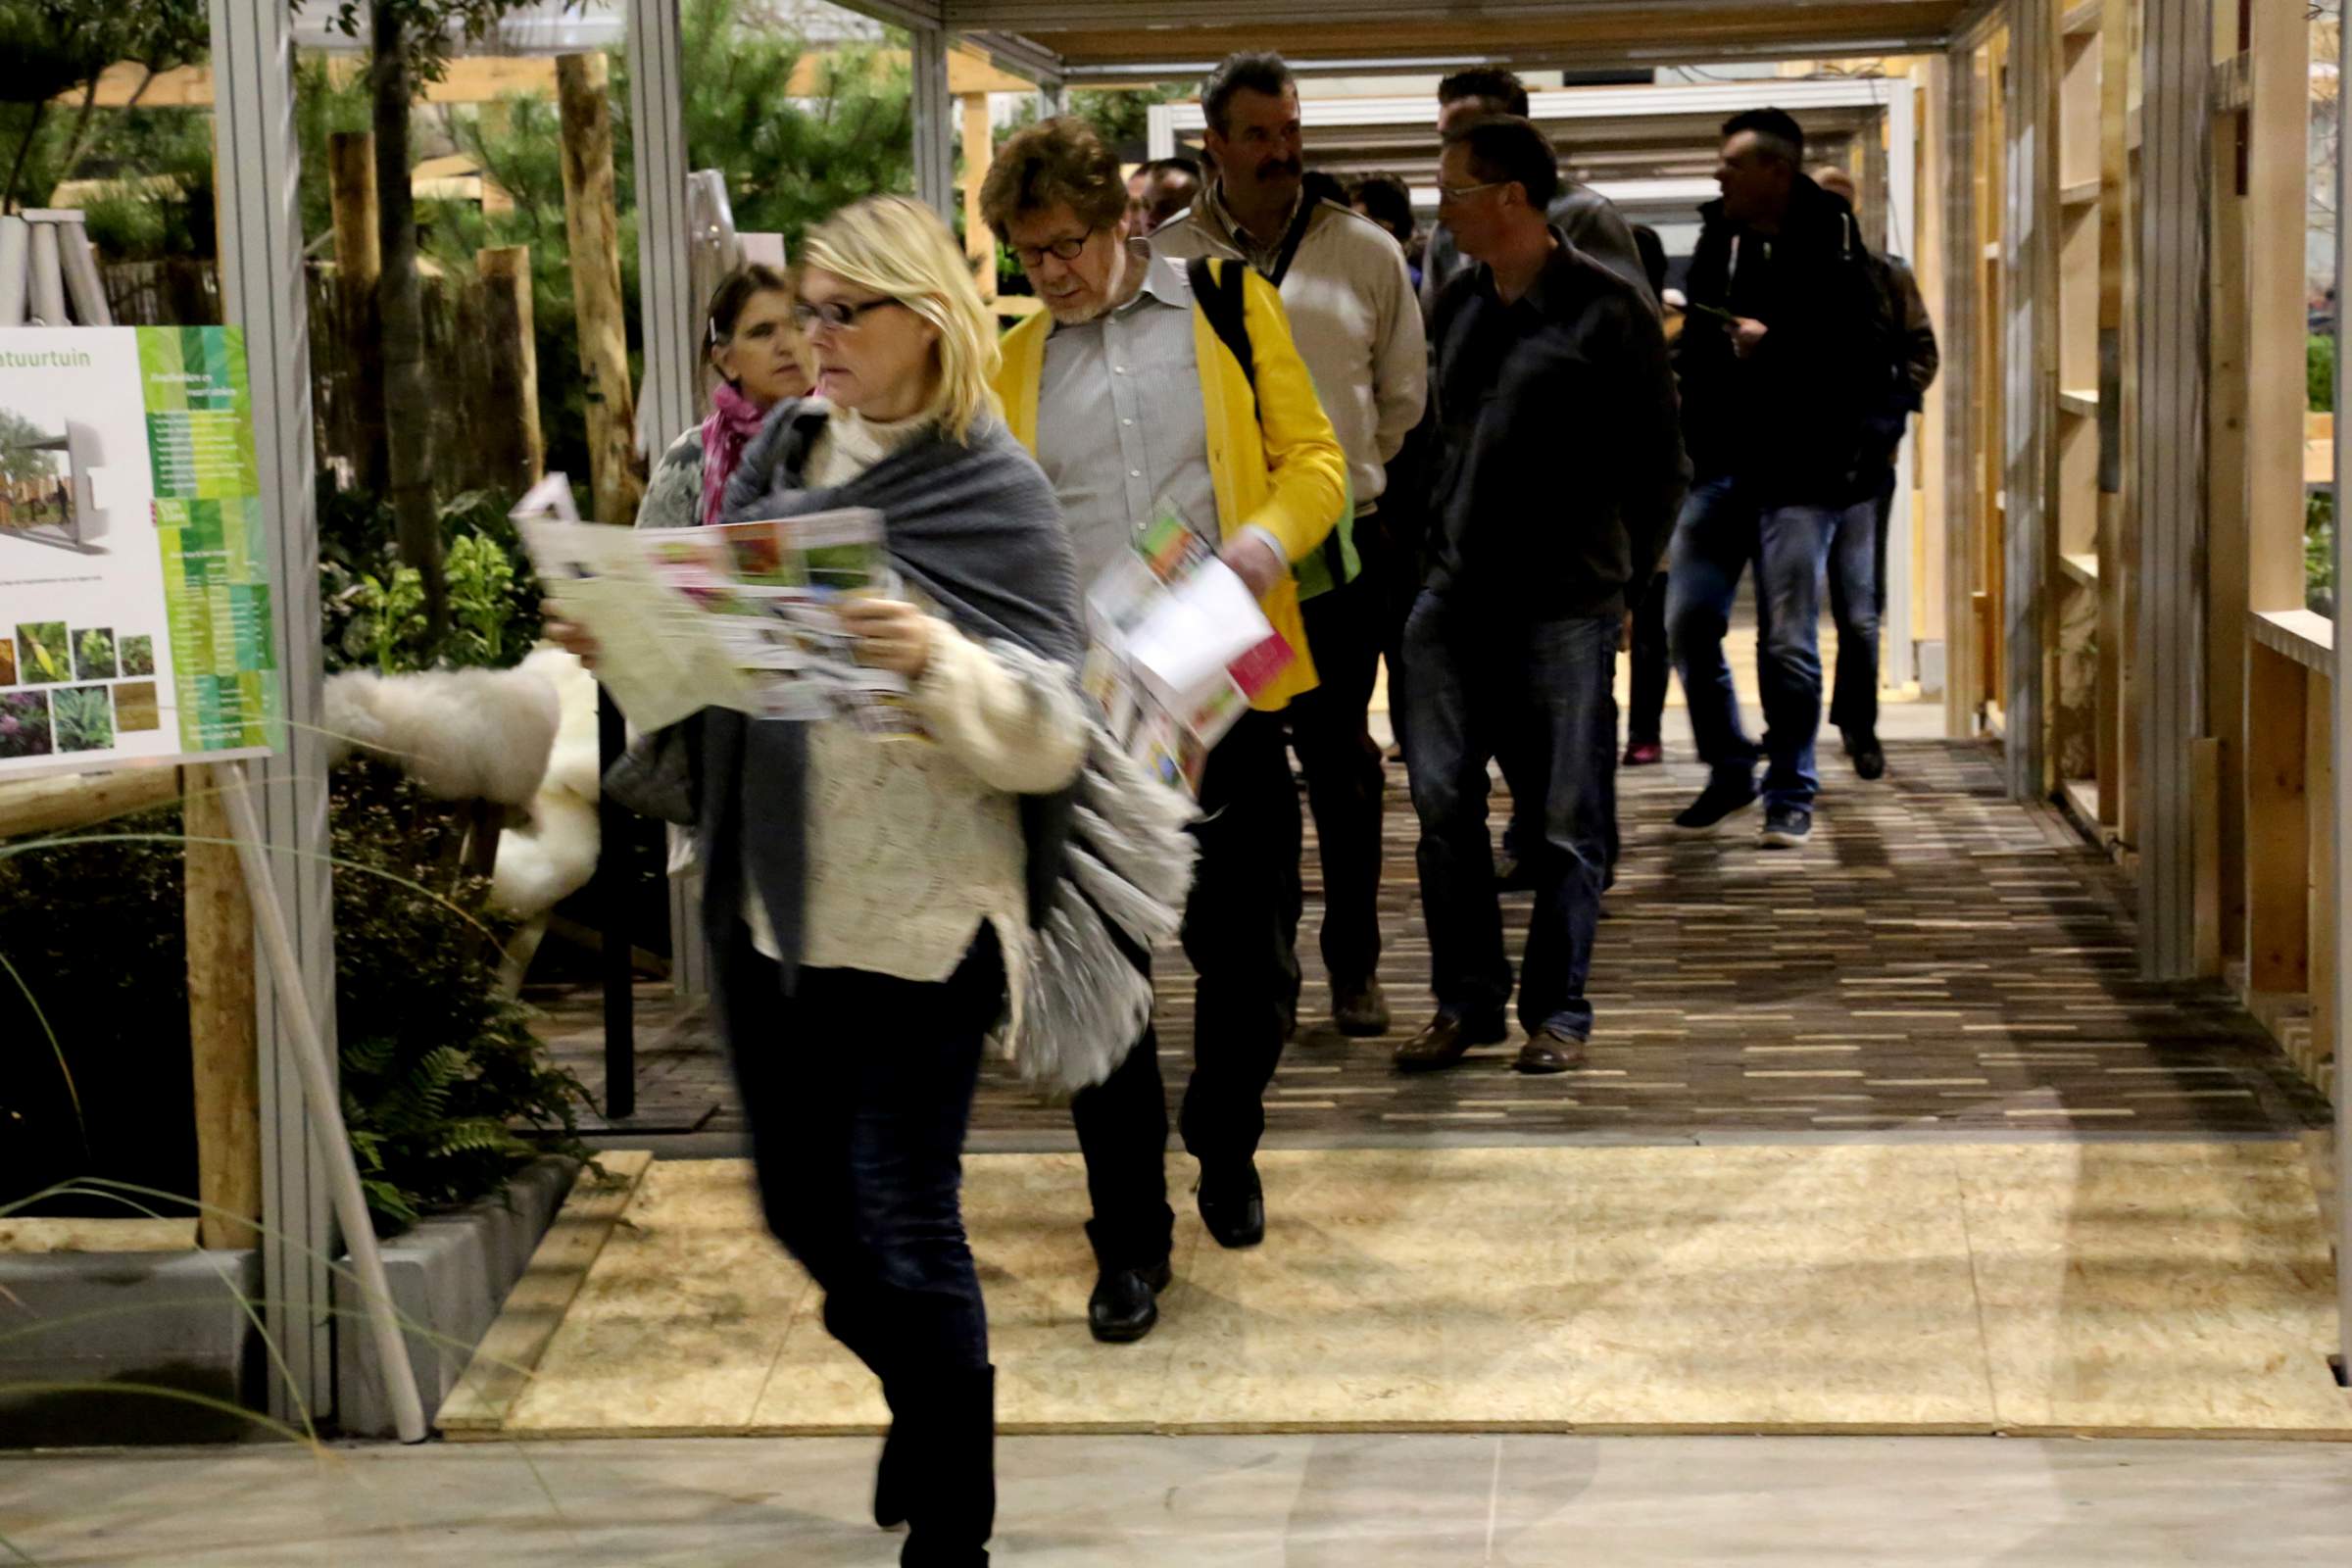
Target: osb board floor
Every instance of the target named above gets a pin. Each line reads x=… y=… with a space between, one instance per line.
x=1940 y=961
x=2126 y=1288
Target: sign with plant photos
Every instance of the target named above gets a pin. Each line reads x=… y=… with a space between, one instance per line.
x=135 y=617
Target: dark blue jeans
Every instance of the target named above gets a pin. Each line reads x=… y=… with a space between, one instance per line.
x=1478 y=678
x=1722 y=529
x=857 y=1087
x=1858 y=603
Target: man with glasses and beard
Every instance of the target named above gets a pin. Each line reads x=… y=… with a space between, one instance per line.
x=1350 y=296
x=1133 y=398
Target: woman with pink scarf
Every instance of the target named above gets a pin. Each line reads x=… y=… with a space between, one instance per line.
x=751 y=340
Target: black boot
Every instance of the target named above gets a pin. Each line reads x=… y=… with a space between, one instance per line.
x=950 y=1470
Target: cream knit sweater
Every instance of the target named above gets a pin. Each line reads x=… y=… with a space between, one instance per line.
x=913 y=840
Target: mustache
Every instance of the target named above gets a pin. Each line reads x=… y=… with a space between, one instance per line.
x=1286 y=165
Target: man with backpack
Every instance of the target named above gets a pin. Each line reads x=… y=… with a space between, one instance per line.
x=1784 y=358
x=1350 y=296
x=1858 y=566
x=1149 y=385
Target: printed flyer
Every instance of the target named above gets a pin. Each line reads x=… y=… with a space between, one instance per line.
x=135 y=616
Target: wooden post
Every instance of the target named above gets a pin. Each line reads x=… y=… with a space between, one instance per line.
x=979 y=151
x=2278 y=824
x=359 y=263
x=2228 y=522
x=221 y=1029
x=593 y=225
x=514 y=454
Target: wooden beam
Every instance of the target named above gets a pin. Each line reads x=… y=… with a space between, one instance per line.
x=979 y=151
x=486 y=79
x=222 y=1028
x=2276 y=331
x=2278 y=824
x=359 y=264
x=2084 y=19
x=515 y=453
x=2229 y=522
x=593 y=225
x=63 y=802
x=2115 y=551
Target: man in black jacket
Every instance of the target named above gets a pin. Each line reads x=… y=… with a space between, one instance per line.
x=1783 y=358
x=1858 y=585
x=1559 y=473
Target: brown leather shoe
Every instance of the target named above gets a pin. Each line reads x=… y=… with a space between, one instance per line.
x=1550 y=1052
x=1443 y=1043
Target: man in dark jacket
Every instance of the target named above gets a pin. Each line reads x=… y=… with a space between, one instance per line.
x=1559 y=473
x=1858 y=585
x=1783 y=358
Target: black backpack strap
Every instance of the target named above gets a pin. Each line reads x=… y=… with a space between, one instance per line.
x=1221 y=299
x=1292 y=241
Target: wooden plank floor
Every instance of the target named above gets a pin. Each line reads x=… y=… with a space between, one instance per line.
x=1940 y=961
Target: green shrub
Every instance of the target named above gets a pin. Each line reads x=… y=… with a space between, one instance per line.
x=2319 y=367
x=446 y=1091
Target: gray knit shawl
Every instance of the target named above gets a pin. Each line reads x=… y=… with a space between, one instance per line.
x=974 y=526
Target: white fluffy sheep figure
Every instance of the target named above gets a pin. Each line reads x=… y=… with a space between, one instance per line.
x=523 y=738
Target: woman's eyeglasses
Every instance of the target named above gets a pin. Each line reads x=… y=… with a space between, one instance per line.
x=834 y=314
x=1061 y=250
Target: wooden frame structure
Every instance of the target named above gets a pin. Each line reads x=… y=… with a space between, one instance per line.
x=2117 y=445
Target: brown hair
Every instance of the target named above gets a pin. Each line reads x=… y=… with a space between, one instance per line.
x=1057 y=162
x=734 y=292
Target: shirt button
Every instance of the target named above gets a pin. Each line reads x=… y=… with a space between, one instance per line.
x=1135 y=473
x=1118 y=370
x=1126 y=421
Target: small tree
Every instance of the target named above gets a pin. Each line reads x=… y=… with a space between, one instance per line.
x=54 y=47
x=408 y=43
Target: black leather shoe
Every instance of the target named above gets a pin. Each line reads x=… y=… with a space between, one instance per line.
x=1125 y=1304
x=1359 y=1007
x=1869 y=756
x=1233 y=1204
x=1443 y=1043
x=1550 y=1050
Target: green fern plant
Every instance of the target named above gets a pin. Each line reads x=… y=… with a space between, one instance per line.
x=82 y=719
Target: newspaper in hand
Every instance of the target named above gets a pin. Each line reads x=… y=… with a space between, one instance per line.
x=738 y=616
x=1178 y=650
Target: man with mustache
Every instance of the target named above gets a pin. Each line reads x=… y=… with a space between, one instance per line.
x=1350 y=296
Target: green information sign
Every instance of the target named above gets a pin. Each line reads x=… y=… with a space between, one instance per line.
x=136 y=609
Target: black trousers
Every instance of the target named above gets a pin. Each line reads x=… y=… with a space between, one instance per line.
x=1241 y=928
x=858 y=1090
x=1651 y=666
x=1344 y=777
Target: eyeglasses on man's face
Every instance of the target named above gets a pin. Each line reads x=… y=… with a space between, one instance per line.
x=1061 y=250
x=1463 y=193
x=834 y=315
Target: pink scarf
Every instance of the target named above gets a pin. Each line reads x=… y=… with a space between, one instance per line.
x=734 y=420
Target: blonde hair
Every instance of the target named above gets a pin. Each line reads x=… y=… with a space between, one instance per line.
x=897 y=246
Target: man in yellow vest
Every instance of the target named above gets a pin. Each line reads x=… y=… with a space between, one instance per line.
x=1135 y=398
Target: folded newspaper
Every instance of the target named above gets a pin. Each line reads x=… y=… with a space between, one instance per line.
x=1178 y=648
x=738 y=616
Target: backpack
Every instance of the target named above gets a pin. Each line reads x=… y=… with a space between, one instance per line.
x=1224 y=300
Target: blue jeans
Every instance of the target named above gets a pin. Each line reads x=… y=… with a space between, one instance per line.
x=1478 y=679
x=1858 y=603
x=1720 y=530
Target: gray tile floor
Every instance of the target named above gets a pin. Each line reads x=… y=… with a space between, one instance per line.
x=1209 y=1502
